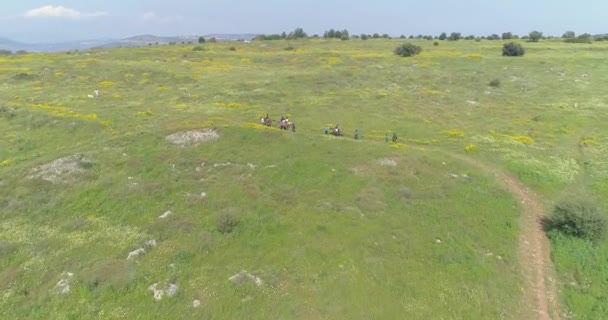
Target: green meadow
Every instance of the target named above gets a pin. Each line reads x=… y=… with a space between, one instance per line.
x=323 y=227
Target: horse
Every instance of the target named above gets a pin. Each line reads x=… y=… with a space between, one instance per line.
x=286 y=125
x=266 y=122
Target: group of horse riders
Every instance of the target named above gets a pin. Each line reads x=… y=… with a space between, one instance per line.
x=284 y=124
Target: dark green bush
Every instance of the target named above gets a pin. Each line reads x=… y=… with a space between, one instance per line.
x=435 y=43
x=495 y=83
x=513 y=49
x=198 y=48
x=226 y=223
x=408 y=50
x=579 y=218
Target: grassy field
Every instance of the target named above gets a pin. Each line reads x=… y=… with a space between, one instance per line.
x=332 y=228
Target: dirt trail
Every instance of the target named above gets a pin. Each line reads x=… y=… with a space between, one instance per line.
x=534 y=248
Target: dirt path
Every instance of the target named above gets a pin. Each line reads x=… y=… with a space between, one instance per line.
x=540 y=296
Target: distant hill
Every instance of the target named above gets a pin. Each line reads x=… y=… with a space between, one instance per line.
x=135 y=41
x=144 y=40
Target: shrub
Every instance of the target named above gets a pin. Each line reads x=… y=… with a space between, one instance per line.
x=232 y=49
x=198 y=48
x=579 y=218
x=289 y=48
x=535 y=36
x=513 y=49
x=435 y=43
x=5 y=52
x=407 y=50
x=495 y=83
x=226 y=223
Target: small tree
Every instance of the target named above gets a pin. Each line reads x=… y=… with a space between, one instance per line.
x=213 y=40
x=513 y=49
x=407 y=50
x=364 y=37
x=201 y=39
x=507 y=36
x=455 y=36
x=535 y=36
x=569 y=35
x=443 y=36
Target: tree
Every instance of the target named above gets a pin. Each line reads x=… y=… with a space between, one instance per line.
x=455 y=36
x=494 y=36
x=201 y=39
x=443 y=36
x=213 y=40
x=298 y=33
x=507 y=36
x=583 y=38
x=407 y=50
x=386 y=36
x=569 y=35
x=376 y=36
x=513 y=49
x=283 y=35
x=364 y=36
x=535 y=36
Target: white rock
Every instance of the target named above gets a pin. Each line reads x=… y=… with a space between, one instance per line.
x=63 y=286
x=136 y=253
x=245 y=276
x=251 y=166
x=165 y=215
x=158 y=293
x=151 y=243
x=172 y=290
x=203 y=194
x=437 y=241
x=196 y=303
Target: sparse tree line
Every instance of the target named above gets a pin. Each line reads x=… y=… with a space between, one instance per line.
x=534 y=36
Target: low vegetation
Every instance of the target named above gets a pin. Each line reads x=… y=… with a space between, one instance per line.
x=150 y=197
x=407 y=50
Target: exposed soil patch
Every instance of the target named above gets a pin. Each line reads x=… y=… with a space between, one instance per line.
x=62 y=169
x=192 y=137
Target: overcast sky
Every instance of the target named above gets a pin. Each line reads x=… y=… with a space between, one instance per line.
x=35 y=21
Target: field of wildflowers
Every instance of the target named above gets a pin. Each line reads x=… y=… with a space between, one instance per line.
x=332 y=231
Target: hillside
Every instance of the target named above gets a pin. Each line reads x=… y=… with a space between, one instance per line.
x=165 y=197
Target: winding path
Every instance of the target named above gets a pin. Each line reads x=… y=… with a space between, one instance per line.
x=540 y=296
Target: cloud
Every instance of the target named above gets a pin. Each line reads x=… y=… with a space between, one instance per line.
x=153 y=17
x=61 y=12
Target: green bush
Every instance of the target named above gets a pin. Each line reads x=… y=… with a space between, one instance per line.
x=408 y=50
x=513 y=49
x=435 y=43
x=198 y=48
x=579 y=218
x=495 y=83
x=226 y=223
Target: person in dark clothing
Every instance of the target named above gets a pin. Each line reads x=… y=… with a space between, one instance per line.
x=293 y=127
x=394 y=137
x=326 y=130
x=356 y=134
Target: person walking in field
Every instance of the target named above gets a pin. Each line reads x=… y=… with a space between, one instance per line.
x=394 y=137
x=356 y=134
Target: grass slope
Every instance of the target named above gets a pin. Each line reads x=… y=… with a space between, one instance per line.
x=330 y=231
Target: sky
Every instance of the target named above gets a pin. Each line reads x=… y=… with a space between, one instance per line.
x=66 y=20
